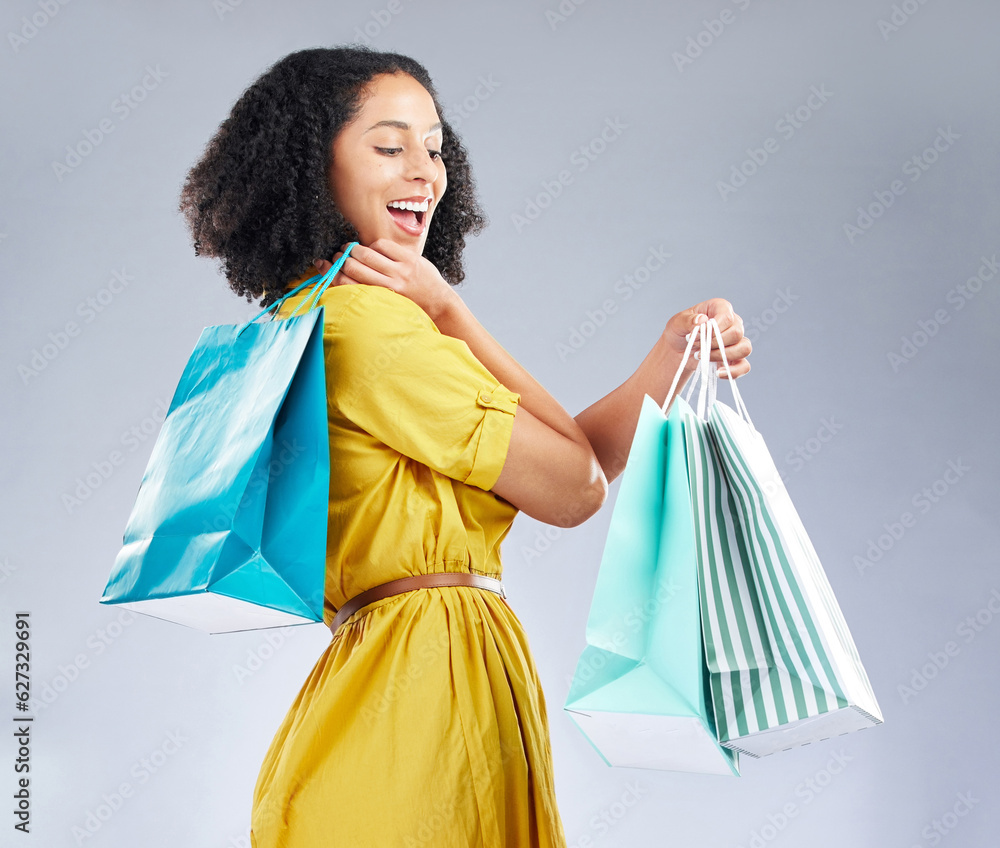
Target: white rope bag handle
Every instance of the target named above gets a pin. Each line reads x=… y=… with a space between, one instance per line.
x=707 y=376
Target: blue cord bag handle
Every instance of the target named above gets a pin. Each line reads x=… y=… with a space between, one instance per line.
x=324 y=279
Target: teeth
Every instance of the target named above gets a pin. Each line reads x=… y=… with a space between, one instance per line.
x=413 y=207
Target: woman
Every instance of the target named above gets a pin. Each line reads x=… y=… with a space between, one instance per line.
x=423 y=722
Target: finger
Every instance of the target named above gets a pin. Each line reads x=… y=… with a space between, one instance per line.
x=730 y=329
x=360 y=258
x=740 y=350
x=735 y=331
x=323 y=267
x=359 y=272
x=369 y=256
x=384 y=256
x=695 y=319
x=741 y=370
x=342 y=278
x=730 y=336
x=389 y=248
x=729 y=323
x=737 y=369
x=718 y=308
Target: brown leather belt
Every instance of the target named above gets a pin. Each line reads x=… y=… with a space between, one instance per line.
x=415 y=581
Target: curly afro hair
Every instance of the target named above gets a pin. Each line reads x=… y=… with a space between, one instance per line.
x=259 y=197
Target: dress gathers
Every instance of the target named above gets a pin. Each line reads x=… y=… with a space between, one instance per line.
x=423 y=723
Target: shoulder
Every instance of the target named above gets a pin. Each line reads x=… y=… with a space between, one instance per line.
x=359 y=309
x=370 y=329
x=376 y=310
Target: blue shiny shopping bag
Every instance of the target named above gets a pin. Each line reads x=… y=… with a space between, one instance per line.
x=640 y=691
x=228 y=530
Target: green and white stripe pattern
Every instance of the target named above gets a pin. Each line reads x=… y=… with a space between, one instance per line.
x=784 y=670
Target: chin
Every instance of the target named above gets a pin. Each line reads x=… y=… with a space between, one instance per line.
x=414 y=245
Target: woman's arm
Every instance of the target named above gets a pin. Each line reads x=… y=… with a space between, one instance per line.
x=607 y=426
x=611 y=421
x=557 y=468
x=385 y=263
x=551 y=471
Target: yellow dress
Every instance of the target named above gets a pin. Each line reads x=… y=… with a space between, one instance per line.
x=423 y=723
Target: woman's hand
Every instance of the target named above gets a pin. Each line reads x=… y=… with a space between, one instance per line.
x=385 y=263
x=737 y=345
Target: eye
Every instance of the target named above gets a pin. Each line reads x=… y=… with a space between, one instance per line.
x=392 y=151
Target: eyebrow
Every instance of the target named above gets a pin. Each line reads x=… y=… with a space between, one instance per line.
x=400 y=125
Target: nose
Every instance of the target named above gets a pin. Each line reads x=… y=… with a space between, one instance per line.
x=419 y=165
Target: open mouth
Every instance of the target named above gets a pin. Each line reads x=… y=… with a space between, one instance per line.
x=409 y=214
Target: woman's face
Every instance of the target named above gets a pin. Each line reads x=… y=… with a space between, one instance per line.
x=387 y=157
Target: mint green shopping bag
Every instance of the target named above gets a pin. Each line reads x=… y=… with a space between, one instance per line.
x=640 y=691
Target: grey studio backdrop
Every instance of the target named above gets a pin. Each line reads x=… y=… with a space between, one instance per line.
x=830 y=168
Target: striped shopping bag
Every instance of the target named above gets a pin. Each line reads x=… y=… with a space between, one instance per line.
x=783 y=668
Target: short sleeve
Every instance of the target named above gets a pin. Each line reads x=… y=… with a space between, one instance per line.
x=418 y=391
